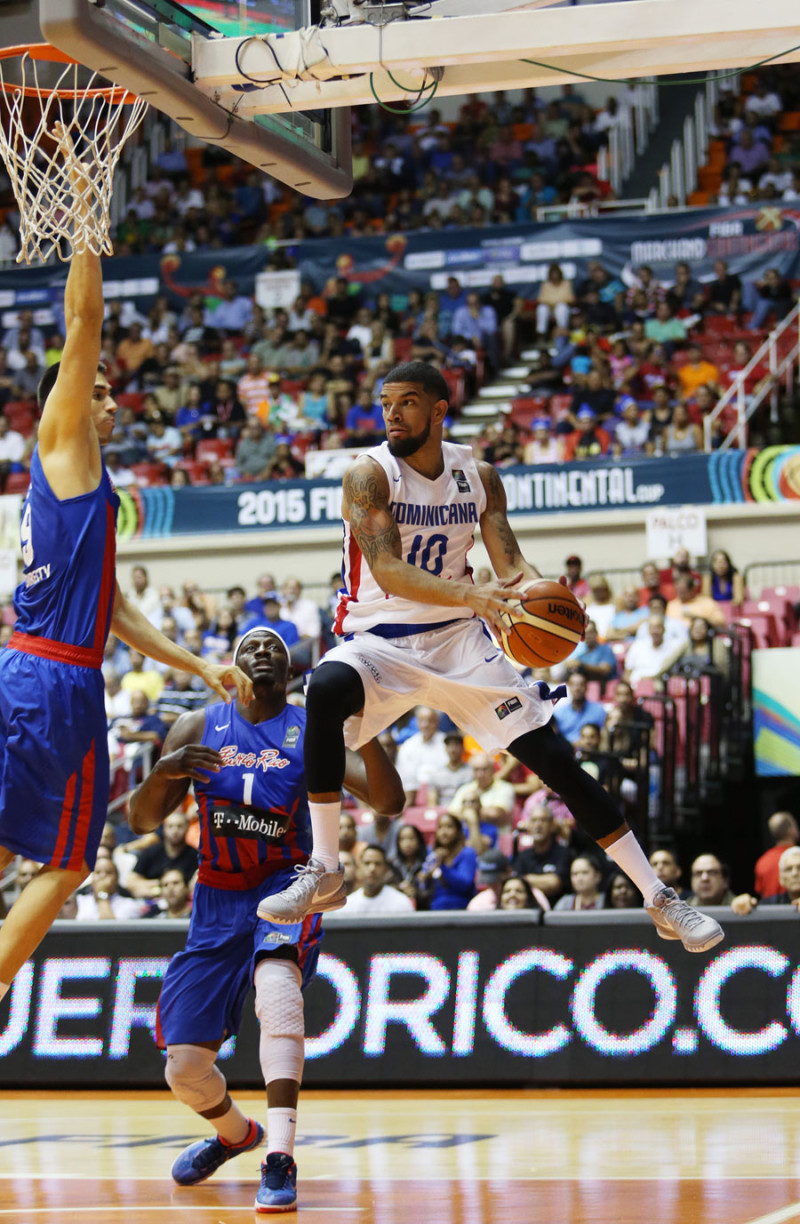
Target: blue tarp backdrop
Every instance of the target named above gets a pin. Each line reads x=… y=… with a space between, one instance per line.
x=750 y=239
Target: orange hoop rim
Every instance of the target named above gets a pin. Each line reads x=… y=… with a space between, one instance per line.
x=45 y=52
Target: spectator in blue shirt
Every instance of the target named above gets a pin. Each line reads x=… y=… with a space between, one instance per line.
x=593 y=659
x=448 y=874
x=479 y=324
x=364 y=421
x=576 y=711
x=270 y=616
x=630 y=616
x=233 y=313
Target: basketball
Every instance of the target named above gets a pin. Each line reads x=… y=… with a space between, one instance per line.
x=544 y=627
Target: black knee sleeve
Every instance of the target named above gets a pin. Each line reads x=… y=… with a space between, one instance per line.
x=551 y=758
x=334 y=693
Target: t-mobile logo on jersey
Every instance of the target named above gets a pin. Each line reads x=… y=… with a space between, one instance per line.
x=237 y=821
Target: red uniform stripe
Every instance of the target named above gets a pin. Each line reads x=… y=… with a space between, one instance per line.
x=107 y=583
x=65 y=822
x=352 y=581
x=61 y=652
x=83 y=820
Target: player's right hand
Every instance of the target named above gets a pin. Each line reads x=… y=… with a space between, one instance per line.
x=192 y=761
x=488 y=599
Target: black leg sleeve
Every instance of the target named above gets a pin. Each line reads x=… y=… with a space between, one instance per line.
x=550 y=757
x=335 y=692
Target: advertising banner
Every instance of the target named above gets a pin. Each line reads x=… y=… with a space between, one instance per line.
x=605 y=484
x=443 y=1000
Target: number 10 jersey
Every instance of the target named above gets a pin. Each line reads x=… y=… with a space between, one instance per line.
x=436 y=520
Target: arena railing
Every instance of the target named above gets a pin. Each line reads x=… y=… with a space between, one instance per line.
x=781 y=353
x=761 y=574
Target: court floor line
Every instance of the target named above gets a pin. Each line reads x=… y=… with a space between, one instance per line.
x=779 y=1218
x=221 y=1209
x=792 y=1212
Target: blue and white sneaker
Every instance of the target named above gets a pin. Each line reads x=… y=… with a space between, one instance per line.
x=278 y=1189
x=201 y=1159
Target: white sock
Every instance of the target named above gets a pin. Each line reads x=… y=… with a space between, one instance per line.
x=281 y=1126
x=4 y=989
x=325 y=828
x=629 y=855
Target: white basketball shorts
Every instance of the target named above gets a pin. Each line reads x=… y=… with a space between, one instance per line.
x=456 y=668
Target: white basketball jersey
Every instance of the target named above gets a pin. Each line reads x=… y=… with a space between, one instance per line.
x=436 y=520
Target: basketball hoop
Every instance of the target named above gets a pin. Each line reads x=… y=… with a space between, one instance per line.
x=61 y=210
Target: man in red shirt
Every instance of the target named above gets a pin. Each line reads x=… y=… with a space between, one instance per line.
x=784 y=832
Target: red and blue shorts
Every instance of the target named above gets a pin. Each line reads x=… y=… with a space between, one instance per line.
x=206 y=985
x=53 y=759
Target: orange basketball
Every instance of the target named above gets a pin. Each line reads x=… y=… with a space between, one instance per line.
x=544 y=627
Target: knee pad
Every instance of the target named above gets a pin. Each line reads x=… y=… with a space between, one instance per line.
x=336 y=690
x=279 y=1007
x=193 y=1076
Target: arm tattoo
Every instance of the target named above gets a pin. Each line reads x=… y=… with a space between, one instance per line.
x=496 y=509
x=371 y=521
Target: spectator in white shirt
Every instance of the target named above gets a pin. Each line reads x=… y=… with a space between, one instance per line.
x=601 y=608
x=118 y=699
x=496 y=798
x=441 y=782
x=675 y=629
x=763 y=102
x=361 y=330
x=104 y=901
x=12 y=446
x=651 y=656
x=142 y=595
x=423 y=750
x=303 y=613
x=375 y=896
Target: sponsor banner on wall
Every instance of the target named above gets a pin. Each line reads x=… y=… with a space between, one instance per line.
x=776 y=721
x=750 y=239
x=456 y=1000
x=637 y=485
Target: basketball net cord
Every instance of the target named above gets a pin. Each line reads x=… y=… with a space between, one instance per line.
x=63 y=188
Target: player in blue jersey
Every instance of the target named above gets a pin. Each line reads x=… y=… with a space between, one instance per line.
x=54 y=773
x=246 y=763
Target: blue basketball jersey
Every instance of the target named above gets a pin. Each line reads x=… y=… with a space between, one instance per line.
x=254 y=817
x=69 y=556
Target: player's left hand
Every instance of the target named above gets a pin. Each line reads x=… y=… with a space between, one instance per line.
x=218 y=675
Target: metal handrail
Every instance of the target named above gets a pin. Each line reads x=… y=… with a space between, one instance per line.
x=746 y=404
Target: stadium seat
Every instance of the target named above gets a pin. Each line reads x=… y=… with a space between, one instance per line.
x=780 y=607
x=763 y=629
x=559 y=407
x=762 y=611
x=17 y=482
x=456 y=383
x=209 y=449
x=792 y=593
x=526 y=408
x=149 y=474
x=197 y=472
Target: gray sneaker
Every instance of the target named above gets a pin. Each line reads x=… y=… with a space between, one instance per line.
x=313 y=891
x=675 y=919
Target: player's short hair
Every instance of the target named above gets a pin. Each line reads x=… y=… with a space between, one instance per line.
x=48 y=381
x=424 y=375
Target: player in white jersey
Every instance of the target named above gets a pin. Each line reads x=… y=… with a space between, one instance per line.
x=413 y=622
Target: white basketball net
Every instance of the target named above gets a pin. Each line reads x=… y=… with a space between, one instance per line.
x=64 y=200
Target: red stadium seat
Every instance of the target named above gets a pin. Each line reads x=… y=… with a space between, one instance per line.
x=763 y=629
x=149 y=474
x=761 y=611
x=455 y=381
x=559 y=407
x=527 y=408
x=197 y=472
x=17 y=482
x=719 y=325
x=209 y=449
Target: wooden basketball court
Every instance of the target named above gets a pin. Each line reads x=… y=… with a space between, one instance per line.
x=457 y=1157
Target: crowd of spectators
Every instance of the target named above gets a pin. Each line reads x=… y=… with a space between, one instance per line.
x=761 y=155
x=219 y=390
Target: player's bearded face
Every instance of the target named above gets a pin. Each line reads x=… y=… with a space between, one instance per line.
x=401 y=448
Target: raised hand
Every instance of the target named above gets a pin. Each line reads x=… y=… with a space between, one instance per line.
x=219 y=675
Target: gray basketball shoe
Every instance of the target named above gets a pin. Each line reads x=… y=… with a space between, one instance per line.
x=313 y=891
x=675 y=919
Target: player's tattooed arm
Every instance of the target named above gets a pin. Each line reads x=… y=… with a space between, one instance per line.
x=366 y=507
x=498 y=538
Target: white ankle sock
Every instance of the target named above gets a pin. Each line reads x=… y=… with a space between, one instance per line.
x=325 y=828
x=629 y=855
x=4 y=989
x=281 y=1126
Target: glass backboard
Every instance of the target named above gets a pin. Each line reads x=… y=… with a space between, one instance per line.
x=146 y=45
